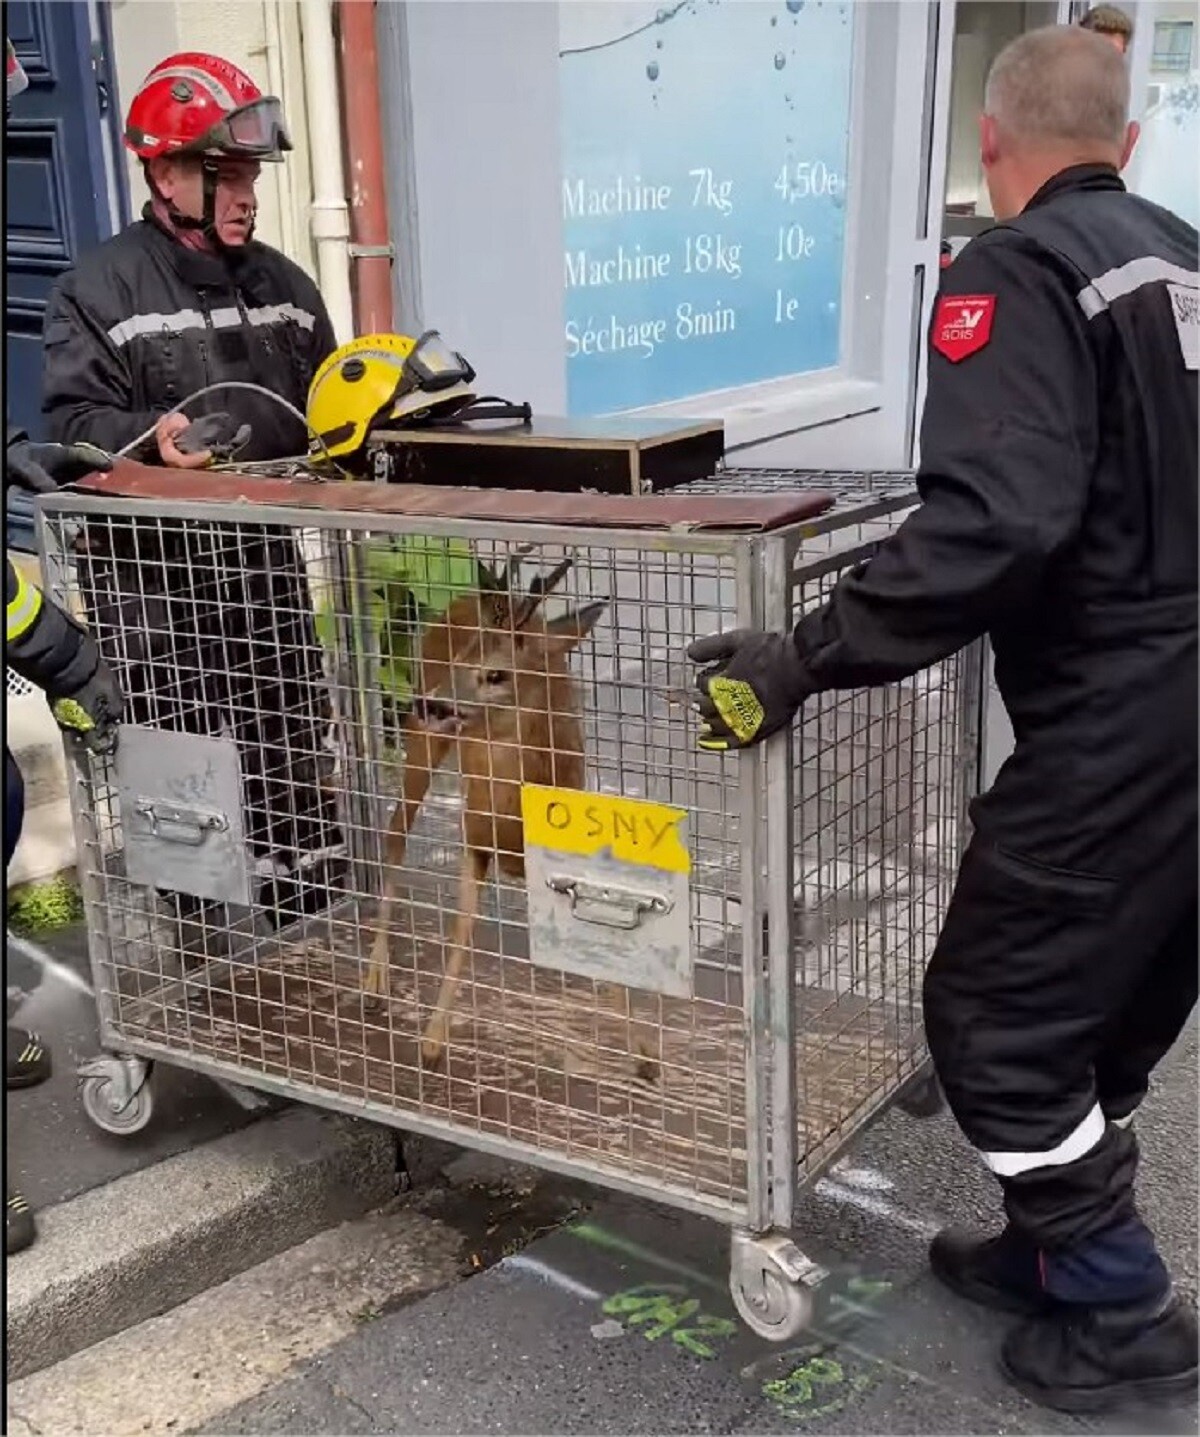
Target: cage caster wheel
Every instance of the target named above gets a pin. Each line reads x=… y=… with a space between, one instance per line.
x=117 y=1095
x=772 y=1282
x=923 y=1098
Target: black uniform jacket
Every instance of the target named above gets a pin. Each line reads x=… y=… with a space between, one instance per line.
x=1058 y=473
x=143 y=322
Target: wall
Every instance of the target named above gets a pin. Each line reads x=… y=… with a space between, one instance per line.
x=264 y=38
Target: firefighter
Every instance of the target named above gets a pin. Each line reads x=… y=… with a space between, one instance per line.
x=46 y=646
x=1058 y=478
x=182 y=299
x=186 y=296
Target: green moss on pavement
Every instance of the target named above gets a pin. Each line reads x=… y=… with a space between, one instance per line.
x=35 y=908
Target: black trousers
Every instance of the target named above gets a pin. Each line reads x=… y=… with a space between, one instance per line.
x=1050 y=998
x=209 y=628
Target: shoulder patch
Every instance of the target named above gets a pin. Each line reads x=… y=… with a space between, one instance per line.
x=962 y=325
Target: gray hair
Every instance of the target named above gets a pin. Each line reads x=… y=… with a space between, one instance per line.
x=1060 y=87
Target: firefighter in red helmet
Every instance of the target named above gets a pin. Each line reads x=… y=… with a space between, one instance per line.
x=183 y=299
x=203 y=109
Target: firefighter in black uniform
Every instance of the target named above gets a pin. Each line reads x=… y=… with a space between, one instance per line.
x=1059 y=478
x=183 y=299
x=46 y=646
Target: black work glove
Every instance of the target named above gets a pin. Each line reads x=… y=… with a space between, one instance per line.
x=43 y=468
x=753 y=686
x=90 y=711
x=215 y=432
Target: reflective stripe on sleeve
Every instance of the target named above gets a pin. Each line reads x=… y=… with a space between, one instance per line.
x=1079 y=1141
x=22 y=610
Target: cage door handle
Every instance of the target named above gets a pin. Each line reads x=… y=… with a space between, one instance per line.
x=605 y=903
x=174 y=823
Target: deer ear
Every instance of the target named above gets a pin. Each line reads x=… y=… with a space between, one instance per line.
x=564 y=633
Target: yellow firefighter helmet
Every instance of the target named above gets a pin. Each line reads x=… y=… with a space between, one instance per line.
x=381 y=379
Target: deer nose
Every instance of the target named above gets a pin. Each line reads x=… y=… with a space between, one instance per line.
x=434 y=711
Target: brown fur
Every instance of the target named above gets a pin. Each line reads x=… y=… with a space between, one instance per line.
x=495 y=687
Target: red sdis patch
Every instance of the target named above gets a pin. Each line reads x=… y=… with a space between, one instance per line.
x=962 y=324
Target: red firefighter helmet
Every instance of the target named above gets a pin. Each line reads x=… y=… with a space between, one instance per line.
x=198 y=104
x=15 y=78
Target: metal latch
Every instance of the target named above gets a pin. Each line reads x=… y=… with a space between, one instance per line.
x=605 y=904
x=190 y=825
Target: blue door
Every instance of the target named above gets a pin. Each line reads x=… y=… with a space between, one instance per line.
x=57 y=182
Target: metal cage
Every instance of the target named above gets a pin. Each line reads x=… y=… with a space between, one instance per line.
x=688 y=976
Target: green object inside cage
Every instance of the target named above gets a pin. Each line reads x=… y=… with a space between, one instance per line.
x=410 y=580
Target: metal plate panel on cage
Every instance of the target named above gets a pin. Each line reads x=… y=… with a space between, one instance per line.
x=181 y=812
x=607 y=879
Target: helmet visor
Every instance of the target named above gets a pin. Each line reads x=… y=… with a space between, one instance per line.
x=433 y=365
x=255 y=132
x=16 y=80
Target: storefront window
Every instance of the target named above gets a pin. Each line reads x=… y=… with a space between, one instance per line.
x=1164 y=165
x=704 y=158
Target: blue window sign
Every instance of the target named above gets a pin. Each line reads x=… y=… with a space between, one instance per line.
x=704 y=145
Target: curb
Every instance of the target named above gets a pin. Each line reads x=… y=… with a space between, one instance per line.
x=141 y=1245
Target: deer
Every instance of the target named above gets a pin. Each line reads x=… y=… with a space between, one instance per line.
x=496 y=688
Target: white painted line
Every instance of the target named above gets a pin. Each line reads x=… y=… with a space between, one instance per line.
x=878 y=1207
x=521 y=1262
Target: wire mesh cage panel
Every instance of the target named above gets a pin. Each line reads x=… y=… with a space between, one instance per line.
x=408 y=818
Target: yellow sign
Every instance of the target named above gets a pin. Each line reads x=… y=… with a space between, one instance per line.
x=632 y=829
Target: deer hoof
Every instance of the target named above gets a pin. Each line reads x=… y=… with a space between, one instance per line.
x=433 y=1045
x=376 y=982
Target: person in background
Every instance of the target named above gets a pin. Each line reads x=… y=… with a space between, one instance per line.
x=1113 y=24
x=185 y=298
x=1059 y=517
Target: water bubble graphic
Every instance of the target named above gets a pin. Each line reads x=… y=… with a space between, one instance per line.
x=652 y=70
x=795 y=6
x=780 y=62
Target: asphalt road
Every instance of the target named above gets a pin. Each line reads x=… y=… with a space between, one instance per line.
x=621 y=1322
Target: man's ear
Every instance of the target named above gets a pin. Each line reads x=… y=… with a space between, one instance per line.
x=989 y=147
x=1132 y=135
x=162 y=174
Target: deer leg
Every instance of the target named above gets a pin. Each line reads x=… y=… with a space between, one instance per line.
x=423 y=754
x=437 y=1030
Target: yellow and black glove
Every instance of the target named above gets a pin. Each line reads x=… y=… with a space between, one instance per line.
x=753 y=686
x=90 y=711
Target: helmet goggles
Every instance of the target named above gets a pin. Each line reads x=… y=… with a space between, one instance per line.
x=256 y=131
x=431 y=366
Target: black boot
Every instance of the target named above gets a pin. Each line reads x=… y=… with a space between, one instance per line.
x=1097 y=1359
x=26 y=1061
x=999 y=1272
x=19 y=1227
